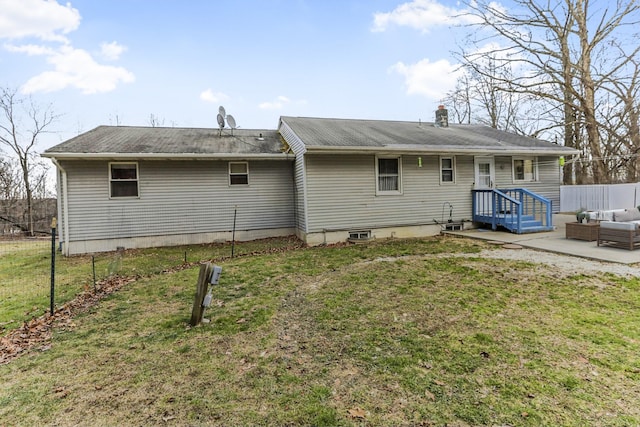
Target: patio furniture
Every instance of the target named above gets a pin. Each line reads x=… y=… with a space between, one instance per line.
x=624 y=235
x=582 y=231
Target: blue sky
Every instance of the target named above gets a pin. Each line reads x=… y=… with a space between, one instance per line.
x=119 y=61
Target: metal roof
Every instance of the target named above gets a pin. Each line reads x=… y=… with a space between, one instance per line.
x=162 y=142
x=341 y=135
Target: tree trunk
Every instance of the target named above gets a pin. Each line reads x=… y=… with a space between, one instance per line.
x=633 y=166
x=24 y=162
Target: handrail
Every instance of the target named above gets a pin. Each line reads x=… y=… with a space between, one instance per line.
x=530 y=207
x=508 y=208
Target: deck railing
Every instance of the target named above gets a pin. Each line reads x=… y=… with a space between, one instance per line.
x=517 y=209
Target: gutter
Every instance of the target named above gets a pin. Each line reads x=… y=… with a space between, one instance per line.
x=413 y=150
x=170 y=156
x=63 y=208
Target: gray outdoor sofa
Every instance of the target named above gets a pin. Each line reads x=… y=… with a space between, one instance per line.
x=623 y=231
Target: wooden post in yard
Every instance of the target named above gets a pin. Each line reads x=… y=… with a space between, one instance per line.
x=201 y=290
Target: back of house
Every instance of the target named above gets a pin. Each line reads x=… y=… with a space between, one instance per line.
x=325 y=180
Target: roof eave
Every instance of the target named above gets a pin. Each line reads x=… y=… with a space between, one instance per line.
x=167 y=156
x=564 y=151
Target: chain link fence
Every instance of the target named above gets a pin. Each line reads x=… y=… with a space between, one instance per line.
x=26 y=270
x=25 y=273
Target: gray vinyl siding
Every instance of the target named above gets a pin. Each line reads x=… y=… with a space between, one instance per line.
x=300 y=195
x=342 y=193
x=178 y=197
x=547 y=185
x=299 y=149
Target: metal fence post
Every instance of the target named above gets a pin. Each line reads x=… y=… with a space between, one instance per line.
x=233 y=234
x=53 y=261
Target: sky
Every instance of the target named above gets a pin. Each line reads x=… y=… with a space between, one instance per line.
x=118 y=62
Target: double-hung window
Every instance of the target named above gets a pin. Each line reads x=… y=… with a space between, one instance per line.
x=388 y=175
x=123 y=179
x=238 y=173
x=447 y=170
x=525 y=169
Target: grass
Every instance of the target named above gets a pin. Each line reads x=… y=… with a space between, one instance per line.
x=403 y=332
x=25 y=271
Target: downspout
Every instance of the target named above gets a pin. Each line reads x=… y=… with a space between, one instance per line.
x=63 y=209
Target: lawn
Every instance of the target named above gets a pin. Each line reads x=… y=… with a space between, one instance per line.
x=402 y=332
x=25 y=271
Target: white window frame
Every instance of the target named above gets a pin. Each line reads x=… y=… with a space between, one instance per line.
x=380 y=192
x=524 y=159
x=246 y=165
x=136 y=180
x=453 y=170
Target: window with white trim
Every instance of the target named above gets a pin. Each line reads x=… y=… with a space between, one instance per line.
x=447 y=170
x=388 y=175
x=525 y=169
x=123 y=179
x=238 y=173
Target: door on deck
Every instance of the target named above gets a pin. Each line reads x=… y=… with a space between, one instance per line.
x=484 y=179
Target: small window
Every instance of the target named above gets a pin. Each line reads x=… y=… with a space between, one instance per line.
x=388 y=175
x=447 y=170
x=123 y=179
x=238 y=173
x=360 y=235
x=525 y=169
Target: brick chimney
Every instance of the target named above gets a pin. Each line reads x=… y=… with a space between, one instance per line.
x=442 y=117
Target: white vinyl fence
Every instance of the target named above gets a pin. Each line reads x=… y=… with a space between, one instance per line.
x=599 y=197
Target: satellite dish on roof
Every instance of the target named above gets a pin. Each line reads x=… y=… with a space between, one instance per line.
x=220 y=123
x=231 y=121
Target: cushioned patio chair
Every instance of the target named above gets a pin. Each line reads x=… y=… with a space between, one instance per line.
x=623 y=231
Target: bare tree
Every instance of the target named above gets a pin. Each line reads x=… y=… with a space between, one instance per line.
x=8 y=180
x=10 y=195
x=478 y=98
x=155 y=121
x=563 y=53
x=621 y=123
x=21 y=124
x=458 y=101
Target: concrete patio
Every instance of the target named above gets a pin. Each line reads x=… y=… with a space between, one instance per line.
x=555 y=241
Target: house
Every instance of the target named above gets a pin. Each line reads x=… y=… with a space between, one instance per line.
x=373 y=178
x=136 y=187
x=326 y=180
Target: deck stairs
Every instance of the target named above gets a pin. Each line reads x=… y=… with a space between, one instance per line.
x=517 y=210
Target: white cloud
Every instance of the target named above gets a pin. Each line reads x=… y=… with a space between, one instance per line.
x=49 y=21
x=30 y=49
x=44 y=19
x=421 y=15
x=73 y=68
x=112 y=51
x=211 y=96
x=432 y=79
x=277 y=104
